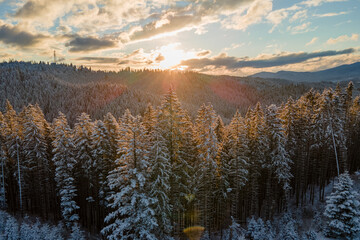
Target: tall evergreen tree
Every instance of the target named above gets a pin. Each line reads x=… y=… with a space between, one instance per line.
x=65 y=162
x=208 y=170
x=342 y=210
x=159 y=185
x=132 y=216
x=171 y=122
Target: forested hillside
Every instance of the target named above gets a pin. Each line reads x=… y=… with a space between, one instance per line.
x=151 y=176
x=73 y=90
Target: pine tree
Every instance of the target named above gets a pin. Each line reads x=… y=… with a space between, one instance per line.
x=174 y=128
x=235 y=158
x=14 y=155
x=38 y=172
x=2 y=163
x=280 y=160
x=208 y=169
x=65 y=162
x=160 y=183
x=258 y=230
x=76 y=233
x=277 y=162
x=87 y=171
x=234 y=231
x=342 y=210
x=258 y=146
x=132 y=216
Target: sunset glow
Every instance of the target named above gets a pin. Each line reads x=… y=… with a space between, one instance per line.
x=215 y=37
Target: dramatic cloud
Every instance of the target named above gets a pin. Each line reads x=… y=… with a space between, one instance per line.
x=87 y=44
x=343 y=38
x=204 y=12
x=14 y=36
x=224 y=61
x=314 y=40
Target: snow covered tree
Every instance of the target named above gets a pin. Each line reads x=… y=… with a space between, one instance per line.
x=235 y=157
x=343 y=210
x=38 y=175
x=2 y=163
x=257 y=148
x=149 y=119
x=208 y=169
x=65 y=162
x=234 y=231
x=160 y=171
x=174 y=128
x=131 y=215
x=76 y=233
x=280 y=160
x=29 y=231
x=258 y=230
x=277 y=163
x=13 y=136
x=104 y=151
x=86 y=171
x=288 y=228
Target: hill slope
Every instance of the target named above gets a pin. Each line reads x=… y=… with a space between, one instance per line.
x=72 y=90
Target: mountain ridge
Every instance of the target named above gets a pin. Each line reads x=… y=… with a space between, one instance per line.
x=346 y=72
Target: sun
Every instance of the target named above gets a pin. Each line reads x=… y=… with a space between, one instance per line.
x=172 y=56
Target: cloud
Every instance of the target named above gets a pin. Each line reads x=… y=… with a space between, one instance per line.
x=343 y=38
x=312 y=41
x=174 y=24
x=299 y=15
x=203 y=53
x=277 y=16
x=159 y=58
x=135 y=62
x=254 y=14
x=302 y=28
x=224 y=61
x=44 y=12
x=196 y=15
x=87 y=44
x=101 y=60
x=153 y=18
x=315 y=3
x=332 y=14
x=14 y=36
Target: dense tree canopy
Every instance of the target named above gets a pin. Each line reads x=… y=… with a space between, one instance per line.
x=152 y=176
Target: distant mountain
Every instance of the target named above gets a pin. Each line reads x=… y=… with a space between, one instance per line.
x=349 y=72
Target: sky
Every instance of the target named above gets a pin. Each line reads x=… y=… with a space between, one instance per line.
x=232 y=37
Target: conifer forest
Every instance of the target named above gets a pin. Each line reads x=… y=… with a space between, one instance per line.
x=163 y=173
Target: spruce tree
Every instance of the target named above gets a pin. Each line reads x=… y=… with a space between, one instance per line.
x=159 y=186
x=131 y=215
x=343 y=210
x=64 y=166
